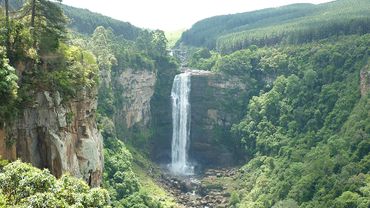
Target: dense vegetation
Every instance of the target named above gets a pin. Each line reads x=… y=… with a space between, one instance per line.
x=22 y=185
x=119 y=178
x=8 y=87
x=47 y=57
x=307 y=132
x=85 y=22
x=43 y=58
x=299 y=23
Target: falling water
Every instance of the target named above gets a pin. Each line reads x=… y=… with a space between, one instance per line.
x=181 y=124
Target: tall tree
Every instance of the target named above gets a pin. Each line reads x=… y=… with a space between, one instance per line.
x=47 y=24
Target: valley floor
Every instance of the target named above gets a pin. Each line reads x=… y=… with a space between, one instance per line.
x=213 y=188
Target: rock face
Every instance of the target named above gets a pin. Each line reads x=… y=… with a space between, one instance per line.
x=162 y=116
x=133 y=91
x=7 y=150
x=61 y=136
x=216 y=104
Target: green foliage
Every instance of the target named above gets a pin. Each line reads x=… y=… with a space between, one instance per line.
x=152 y=43
x=119 y=178
x=21 y=41
x=118 y=171
x=43 y=60
x=297 y=23
x=8 y=87
x=115 y=53
x=148 y=174
x=141 y=138
x=234 y=199
x=308 y=134
x=49 y=25
x=203 y=59
x=2 y=200
x=85 y=22
x=139 y=200
x=22 y=185
x=289 y=203
x=77 y=71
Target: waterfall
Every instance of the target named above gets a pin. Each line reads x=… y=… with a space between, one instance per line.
x=181 y=124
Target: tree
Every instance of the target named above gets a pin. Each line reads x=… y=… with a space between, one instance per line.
x=8 y=87
x=47 y=24
x=22 y=185
x=159 y=42
x=33 y=14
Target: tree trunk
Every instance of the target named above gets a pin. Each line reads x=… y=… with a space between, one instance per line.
x=7 y=27
x=33 y=14
x=33 y=29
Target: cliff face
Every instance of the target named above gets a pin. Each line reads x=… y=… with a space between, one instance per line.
x=216 y=104
x=61 y=136
x=133 y=91
x=161 y=122
x=7 y=150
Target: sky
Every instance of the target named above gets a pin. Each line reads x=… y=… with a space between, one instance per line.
x=171 y=15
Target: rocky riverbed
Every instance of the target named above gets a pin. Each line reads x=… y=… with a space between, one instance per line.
x=211 y=189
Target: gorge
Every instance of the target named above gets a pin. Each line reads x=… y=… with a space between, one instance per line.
x=262 y=109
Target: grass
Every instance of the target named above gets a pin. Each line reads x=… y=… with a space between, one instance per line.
x=147 y=171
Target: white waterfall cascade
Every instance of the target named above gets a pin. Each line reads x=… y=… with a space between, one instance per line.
x=181 y=125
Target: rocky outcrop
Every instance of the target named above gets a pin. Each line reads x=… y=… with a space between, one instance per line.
x=61 y=135
x=133 y=92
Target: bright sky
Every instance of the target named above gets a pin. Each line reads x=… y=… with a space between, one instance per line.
x=170 y=15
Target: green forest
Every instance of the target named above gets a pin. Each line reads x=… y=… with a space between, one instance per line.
x=301 y=136
x=292 y=24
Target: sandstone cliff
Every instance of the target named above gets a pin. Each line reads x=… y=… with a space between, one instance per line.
x=133 y=92
x=216 y=104
x=60 y=135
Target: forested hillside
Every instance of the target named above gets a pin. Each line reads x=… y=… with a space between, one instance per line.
x=306 y=129
x=85 y=22
x=309 y=134
x=299 y=23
